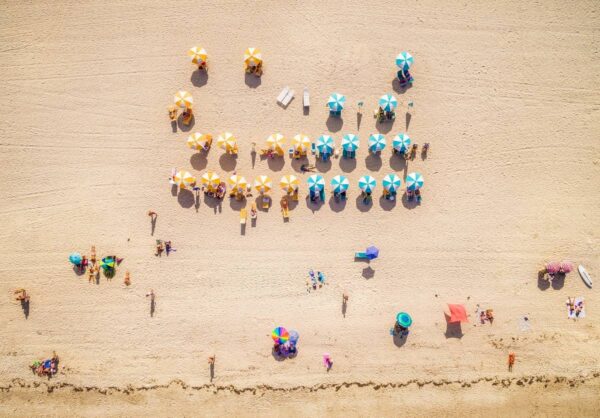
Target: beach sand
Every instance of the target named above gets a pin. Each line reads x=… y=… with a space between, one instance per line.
x=505 y=93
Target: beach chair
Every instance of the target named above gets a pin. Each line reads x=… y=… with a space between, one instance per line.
x=282 y=95
x=322 y=195
x=306 y=98
x=265 y=202
x=361 y=256
x=295 y=196
x=243 y=216
x=253 y=211
x=285 y=211
x=286 y=101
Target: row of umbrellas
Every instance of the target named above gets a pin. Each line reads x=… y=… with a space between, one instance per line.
x=198 y=55
x=337 y=101
x=325 y=144
x=290 y=183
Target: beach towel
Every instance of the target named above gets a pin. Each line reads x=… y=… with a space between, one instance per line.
x=579 y=302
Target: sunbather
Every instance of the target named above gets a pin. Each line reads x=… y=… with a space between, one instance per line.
x=22 y=295
x=187 y=116
x=127 y=280
x=93 y=255
x=306 y=168
x=511 y=361
x=168 y=247
x=159 y=248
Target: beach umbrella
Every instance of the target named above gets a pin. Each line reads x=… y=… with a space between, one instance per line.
x=336 y=102
x=340 y=184
x=75 y=258
x=325 y=144
x=350 y=142
x=275 y=143
x=211 y=180
x=197 y=54
x=263 y=184
x=316 y=183
x=252 y=56
x=183 y=179
x=553 y=267
x=301 y=143
x=414 y=181
x=228 y=142
x=404 y=320
x=238 y=183
x=372 y=252
x=458 y=313
x=198 y=141
x=566 y=267
x=294 y=336
x=376 y=142
x=391 y=182
x=404 y=60
x=367 y=184
x=108 y=263
x=289 y=183
x=280 y=335
x=401 y=142
x=184 y=99
x=388 y=102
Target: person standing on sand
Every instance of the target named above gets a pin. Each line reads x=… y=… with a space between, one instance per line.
x=511 y=361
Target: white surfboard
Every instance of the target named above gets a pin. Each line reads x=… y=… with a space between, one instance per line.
x=585 y=276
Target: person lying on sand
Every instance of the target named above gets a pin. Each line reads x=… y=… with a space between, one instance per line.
x=172 y=112
x=22 y=295
x=127 y=279
x=306 y=168
x=159 y=248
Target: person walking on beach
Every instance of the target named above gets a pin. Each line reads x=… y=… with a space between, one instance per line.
x=511 y=361
x=152 y=297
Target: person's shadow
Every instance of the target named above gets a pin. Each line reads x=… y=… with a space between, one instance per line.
x=344 y=307
x=212 y=371
x=25 y=307
x=152 y=307
x=153 y=224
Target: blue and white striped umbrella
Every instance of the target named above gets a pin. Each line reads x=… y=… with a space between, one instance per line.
x=316 y=183
x=376 y=142
x=367 y=184
x=350 y=142
x=401 y=142
x=391 y=182
x=388 y=102
x=325 y=144
x=414 y=181
x=404 y=60
x=336 y=102
x=340 y=184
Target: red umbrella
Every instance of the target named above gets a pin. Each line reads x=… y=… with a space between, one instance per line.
x=553 y=267
x=458 y=313
x=566 y=267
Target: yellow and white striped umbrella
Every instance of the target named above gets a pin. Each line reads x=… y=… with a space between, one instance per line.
x=198 y=141
x=184 y=99
x=301 y=143
x=263 y=184
x=211 y=180
x=184 y=179
x=289 y=183
x=252 y=56
x=228 y=142
x=197 y=54
x=275 y=143
x=238 y=183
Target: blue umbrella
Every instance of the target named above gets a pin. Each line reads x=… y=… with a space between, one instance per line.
x=388 y=102
x=404 y=320
x=376 y=142
x=367 y=184
x=336 y=102
x=325 y=144
x=372 y=252
x=404 y=60
x=401 y=142
x=391 y=183
x=340 y=184
x=350 y=142
x=414 y=181
x=316 y=183
x=75 y=258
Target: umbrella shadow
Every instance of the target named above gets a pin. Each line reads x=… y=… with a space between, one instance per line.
x=252 y=81
x=337 y=205
x=398 y=163
x=199 y=161
x=373 y=162
x=212 y=202
x=409 y=204
x=558 y=281
x=183 y=127
x=398 y=88
x=399 y=339
x=384 y=127
x=347 y=164
x=323 y=166
x=259 y=203
x=236 y=205
x=314 y=206
x=228 y=161
x=368 y=272
x=362 y=205
x=387 y=204
x=199 y=78
x=453 y=329
x=297 y=163
x=186 y=198
x=543 y=283
x=276 y=164
x=334 y=123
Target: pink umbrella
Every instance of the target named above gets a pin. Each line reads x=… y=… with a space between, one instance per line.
x=553 y=267
x=566 y=267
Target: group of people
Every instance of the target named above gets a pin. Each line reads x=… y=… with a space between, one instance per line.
x=186 y=115
x=314 y=281
x=413 y=195
x=163 y=246
x=576 y=307
x=48 y=367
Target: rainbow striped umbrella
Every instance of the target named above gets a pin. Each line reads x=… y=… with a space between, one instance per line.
x=280 y=335
x=401 y=142
x=289 y=183
x=184 y=99
x=316 y=183
x=228 y=142
x=414 y=181
x=197 y=54
x=211 y=180
x=367 y=184
x=238 y=183
x=388 y=102
x=377 y=142
x=183 y=179
x=404 y=60
x=325 y=144
x=350 y=142
x=252 y=56
x=340 y=184
x=404 y=320
x=336 y=102
x=301 y=143
x=275 y=143
x=263 y=184
x=391 y=182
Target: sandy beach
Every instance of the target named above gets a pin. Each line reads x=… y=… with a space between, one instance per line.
x=506 y=94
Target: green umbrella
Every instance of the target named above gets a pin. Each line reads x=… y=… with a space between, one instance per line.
x=404 y=320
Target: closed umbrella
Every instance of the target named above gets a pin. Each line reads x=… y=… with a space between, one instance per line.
x=325 y=144
x=228 y=142
x=350 y=142
x=340 y=184
x=336 y=102
x=252 y=57
x=275 y=143
x=75 y=258
x=263 y=184
x=401 y=142
x=414 y=181
x=377 y=142
x=391 y=183
x=211 y=180
x=301 y=143
x=289 y=183
x=367 y=184
x=404 y=60
x=184 y=99
x=238 y=183
x=404 y=320
x=184 y=179
x=316 y=183
x=388 y=102
x=198 y=55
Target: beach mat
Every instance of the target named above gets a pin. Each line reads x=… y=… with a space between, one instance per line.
x=572 y=315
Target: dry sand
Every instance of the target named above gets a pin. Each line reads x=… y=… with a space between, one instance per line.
x=507 y=95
